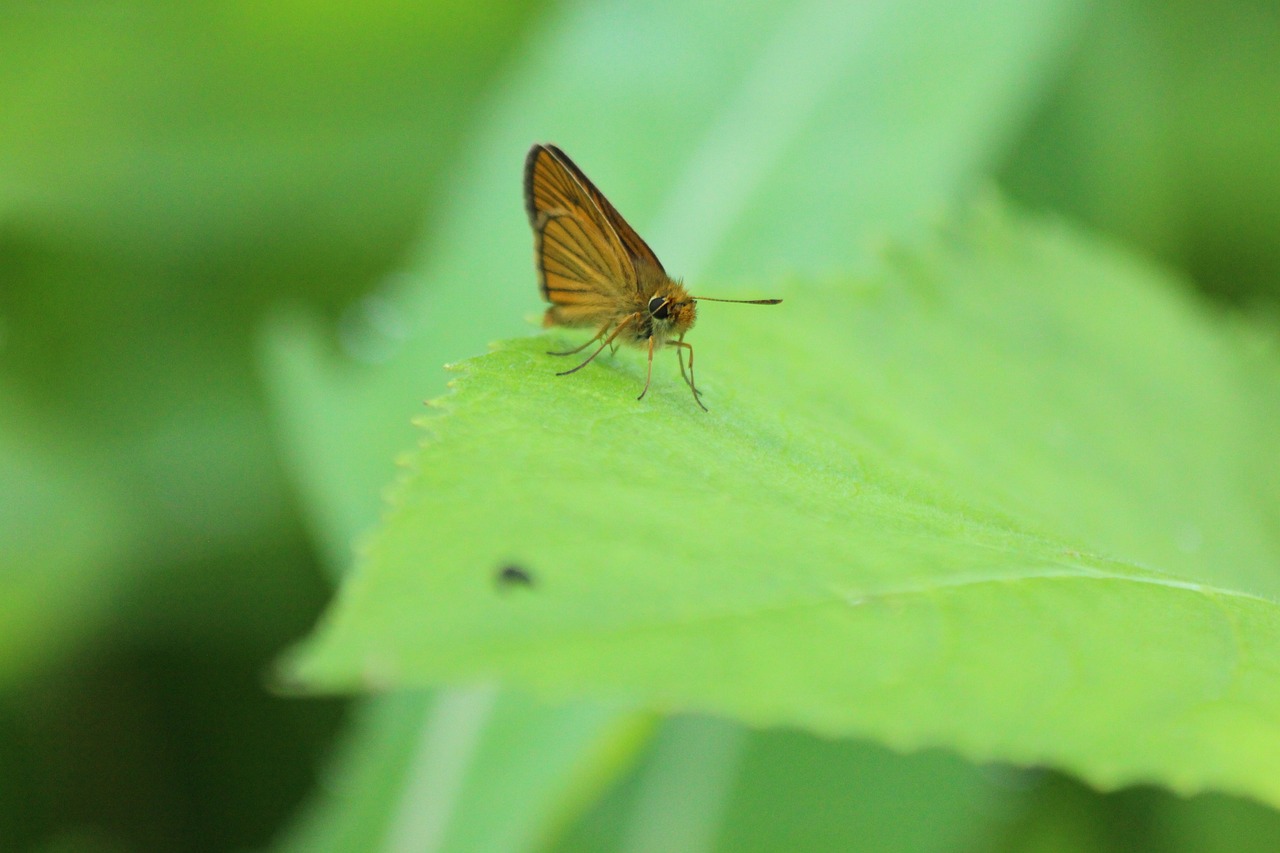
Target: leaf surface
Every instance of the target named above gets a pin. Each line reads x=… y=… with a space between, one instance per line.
x=1003 y=496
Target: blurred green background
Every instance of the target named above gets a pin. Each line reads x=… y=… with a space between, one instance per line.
x=176 y=177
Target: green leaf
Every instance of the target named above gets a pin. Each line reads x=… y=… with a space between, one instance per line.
x=1007 y=496
x=704 y=124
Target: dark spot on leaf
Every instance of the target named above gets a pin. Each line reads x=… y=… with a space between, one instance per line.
x=512 y=575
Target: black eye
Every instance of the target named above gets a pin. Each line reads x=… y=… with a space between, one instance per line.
x=658 y=307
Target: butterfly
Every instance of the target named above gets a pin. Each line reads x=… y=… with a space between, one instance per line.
x=597 y=272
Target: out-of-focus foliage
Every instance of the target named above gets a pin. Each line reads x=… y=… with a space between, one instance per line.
x=177 y=178
x=1162 y=130
x=167 y=173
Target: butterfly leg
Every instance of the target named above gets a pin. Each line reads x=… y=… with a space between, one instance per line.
x=648 y=374
x=599 y=334
x=681 y=347
x=625 y=322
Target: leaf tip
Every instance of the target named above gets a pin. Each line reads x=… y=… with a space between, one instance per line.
x=288 y=676
x=304 y=672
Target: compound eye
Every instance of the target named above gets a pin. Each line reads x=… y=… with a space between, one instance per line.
x=658 y=307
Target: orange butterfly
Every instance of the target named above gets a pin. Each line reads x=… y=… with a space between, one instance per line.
x=596 y=271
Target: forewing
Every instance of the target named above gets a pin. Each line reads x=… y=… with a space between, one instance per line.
x=581 y=260
x=637 y=248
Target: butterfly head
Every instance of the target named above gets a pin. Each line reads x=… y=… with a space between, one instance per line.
x=672 y=313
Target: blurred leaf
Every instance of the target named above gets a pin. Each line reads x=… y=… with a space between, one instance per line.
x=483 y=774
x=1225 y=82
x=1163 y=132
x=180 y=167
x=62 y=541
x=1217 y=824
x=1100 y=146
x=1059 y=815
x=168 y=170
x=798 y=792
x=708 y=784
x=240 y=130
x=891 y=524
x=684 y=786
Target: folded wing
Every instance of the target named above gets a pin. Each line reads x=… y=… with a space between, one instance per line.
x=584 y=269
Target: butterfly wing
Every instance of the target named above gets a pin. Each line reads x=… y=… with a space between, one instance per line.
x=636 y=247
x=584 y=269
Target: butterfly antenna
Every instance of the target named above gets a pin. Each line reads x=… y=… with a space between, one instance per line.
x=739 y=301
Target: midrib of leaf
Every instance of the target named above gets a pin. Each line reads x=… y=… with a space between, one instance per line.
x=860 y=597
x=940 y=524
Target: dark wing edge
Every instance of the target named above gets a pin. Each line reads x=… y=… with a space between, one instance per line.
x=634 y=243
x=530 y=207
x=554 y=185
x=530 y=164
